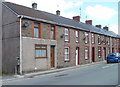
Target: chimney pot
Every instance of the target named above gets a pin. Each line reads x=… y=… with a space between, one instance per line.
x=34 y=6
x=76 y=18
x=88 y=22
x=106 y=28
x=58 y=12
x=99 y=26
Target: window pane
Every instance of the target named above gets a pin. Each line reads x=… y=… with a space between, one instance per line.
x=66 y=37
x=76 y=33
x=66 y=31
x=36 y=32
x=66 y=53
x=36 y=25
x=52 y=34
x=76 y=39
x=86 y=53
x=40 y=53
x=52 y=28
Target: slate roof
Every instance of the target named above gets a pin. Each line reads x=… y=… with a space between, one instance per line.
x=37 y=14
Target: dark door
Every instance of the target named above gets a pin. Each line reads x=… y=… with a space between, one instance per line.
x=104 y=53
x=93 y=54
x=112 y=50
x=52 y=56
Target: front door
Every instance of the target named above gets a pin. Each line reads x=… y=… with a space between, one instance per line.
x=104 y=53
x=52 y=56
x=77 y=56
x=93 y=54
x=112 y=50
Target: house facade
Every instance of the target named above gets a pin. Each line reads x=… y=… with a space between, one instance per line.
x=34 y=40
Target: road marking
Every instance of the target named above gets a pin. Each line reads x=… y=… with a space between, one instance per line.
x=107 y=66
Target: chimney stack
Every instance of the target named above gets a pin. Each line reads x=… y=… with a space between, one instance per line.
x=106 y=28
x=34 y=6
x=99 y=26
x=76 y=18
x=88 y=22
x=58 y=12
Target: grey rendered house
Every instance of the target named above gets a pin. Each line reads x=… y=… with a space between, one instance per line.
x=34 y=40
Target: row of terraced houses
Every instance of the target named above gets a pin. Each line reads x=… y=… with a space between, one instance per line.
x=34 y=40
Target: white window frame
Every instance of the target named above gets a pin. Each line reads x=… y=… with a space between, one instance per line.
x=99 y=39
x=77 y=36
x=93 y=38
x=66 y=34
x=67 y=53
x=86 y=53
x=86 y=37
x=99 y=52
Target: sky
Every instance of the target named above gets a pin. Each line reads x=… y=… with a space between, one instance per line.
x=101 y=12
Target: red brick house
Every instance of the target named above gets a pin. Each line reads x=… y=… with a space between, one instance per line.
x=41 y=40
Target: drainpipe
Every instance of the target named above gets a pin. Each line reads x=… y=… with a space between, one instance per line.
x=111 y=44
x=90 y=47
x=20 y=45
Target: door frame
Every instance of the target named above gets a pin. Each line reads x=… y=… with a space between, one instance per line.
x=77 y=58
x=52 y=63
x=104 y=48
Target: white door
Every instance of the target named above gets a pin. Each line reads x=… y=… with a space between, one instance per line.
x=77 y=55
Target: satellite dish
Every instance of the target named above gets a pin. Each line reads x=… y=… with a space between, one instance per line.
x=25 y=24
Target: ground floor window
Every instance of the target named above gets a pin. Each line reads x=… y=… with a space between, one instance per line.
x=99 y=52
x=86 y=52
x=40 y=51
x=66 y=53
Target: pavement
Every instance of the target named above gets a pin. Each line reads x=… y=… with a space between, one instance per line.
x=31 y=75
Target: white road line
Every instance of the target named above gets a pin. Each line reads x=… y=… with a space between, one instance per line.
x=107 y=66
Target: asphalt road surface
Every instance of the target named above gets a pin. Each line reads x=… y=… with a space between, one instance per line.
x=98 y=74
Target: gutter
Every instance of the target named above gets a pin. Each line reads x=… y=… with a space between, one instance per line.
x=50 y=22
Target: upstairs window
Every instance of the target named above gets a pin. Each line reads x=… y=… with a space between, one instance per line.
x=86 y=37
x=113 y=41
x=103 y=39
x=77 y=36
x=36 y=30
x=108 y=41
x=86 y=52
x=52 y=32
x=66 y=34
x=99 y=39
x=93 y=38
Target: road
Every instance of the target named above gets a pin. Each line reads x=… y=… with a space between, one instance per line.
x=97 y=74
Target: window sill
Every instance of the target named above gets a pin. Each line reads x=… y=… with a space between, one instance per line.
x=66 y=60
x=39 y=57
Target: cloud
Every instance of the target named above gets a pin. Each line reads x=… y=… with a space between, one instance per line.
x=114 y=28
x=69 y=14
x=100 y=12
